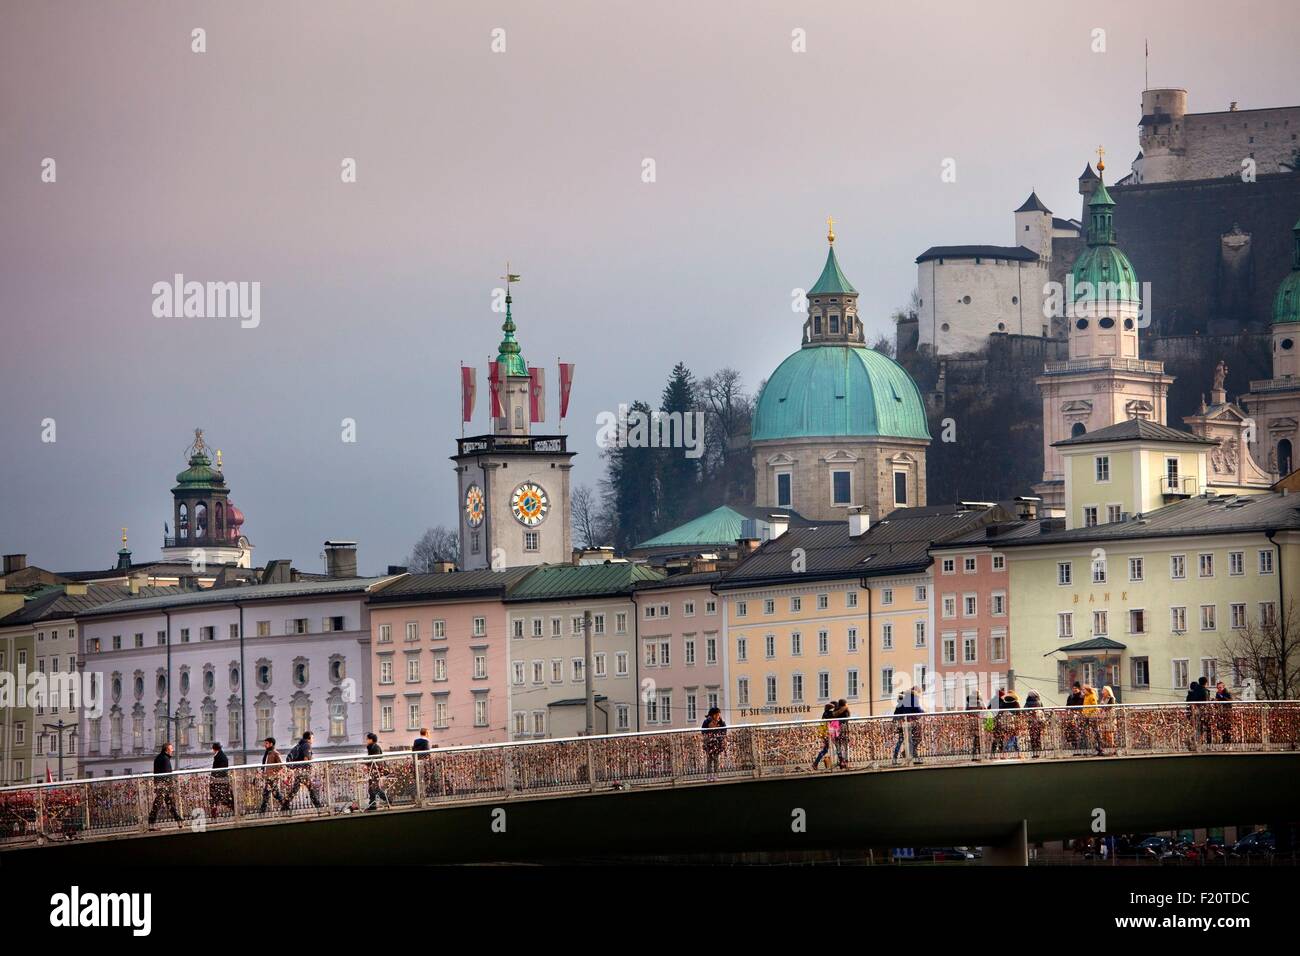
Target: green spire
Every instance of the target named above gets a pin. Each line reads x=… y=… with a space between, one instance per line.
x=509 y=353
x=832 y=280
x=1101 y=231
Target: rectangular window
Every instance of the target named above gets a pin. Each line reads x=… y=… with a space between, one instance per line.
x=710 y=607
x=1238 y=615
x=948 y=643
x=1141 y=672
x=969 y=647
x=710 y=649
x=1102 y=467
x=823 y=602
x=998 y=646
x=517 y=672
x=796 y=605
x=557 y=670
x=771 y=689
x=1099 y=570
x=480 y=666
x=1207 y=617
x=1179 y=671
x=970 y=605
x=1135 y=569
x=823 y=685
x=1171 y=477
x=1267 y=614
x=480 y=626
x=742 y=649
x=919 y=592
x=688 y=609
x=1178 y=619
x=1113 y=513
x=887 y=682
x=1236 y=562
x=853 y=639
x=440 y=667
x=886 y=597
x=949 y=605
x=1206 y=564
x=998 y=604
x=620 y=664
x=688 y=653
x=796 y=688
x=742 y=608
x=1137 y=621
x=1177 y=566
x=920 y=633
x=900 y=488
x=999 y=562
x=949 y=566
x=1266 y=562
x=783 y=497
x=1065 y=624
x=769 y=606
x=1090 y=516
x=1099 y=628
x=968 y=565
x=412 y=631
x=887 y=636
x=1064 y=573
x=823 y=642
x=532 y=540
x=769 y=646
x=841 y=487
x=851 y=683
x=598 y=623
x=742 y=692
x=539 y=627
x=598 y=668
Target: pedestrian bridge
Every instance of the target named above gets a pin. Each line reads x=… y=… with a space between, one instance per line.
x=977 y=778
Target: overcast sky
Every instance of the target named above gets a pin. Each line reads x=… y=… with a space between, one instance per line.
x=225 y=166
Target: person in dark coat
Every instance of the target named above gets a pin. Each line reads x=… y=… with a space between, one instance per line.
x=300 y=756
x=1223 y=712
x=375 y=770
x=164 y=787
x=909 y=704
x=272 y=767
x=824 y=733
x=1071 y=717
x=1035 y=721
x=973 y=703
x=421 y=742
x=220 y=793
x=842 y=715
x=714 y=732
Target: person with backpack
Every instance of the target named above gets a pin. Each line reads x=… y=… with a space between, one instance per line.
x=300 y=758
x=840 y=733
x=375 y=770
x=824 y=734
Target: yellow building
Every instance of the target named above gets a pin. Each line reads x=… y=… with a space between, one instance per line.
x=1156 y=576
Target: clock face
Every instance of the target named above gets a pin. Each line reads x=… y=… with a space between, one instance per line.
x=530 y=504
x=474 y=506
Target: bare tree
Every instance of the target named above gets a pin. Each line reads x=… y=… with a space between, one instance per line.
x=435 y=545
x=1267 y=654
x=585 y=534
x=884 y=346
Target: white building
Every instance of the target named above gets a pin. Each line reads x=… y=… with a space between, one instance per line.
x=234 y=664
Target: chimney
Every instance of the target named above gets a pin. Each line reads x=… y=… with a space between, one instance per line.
x=859 y=522
x=745 y=547
x=439 y=567
x=188 y=582
x=778 y=524
x=341 y=559
x=397 y=569
x=702 y=564
x=1027 y=508
x=75 y=589
x=15 y=562
x=135 y=582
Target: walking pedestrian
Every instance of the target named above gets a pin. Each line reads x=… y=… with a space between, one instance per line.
x=375 y=770
x=973 y=703
x=300 y=760
x=1223 y=712
x=1034 y=719
x=272 y=767
x=1090 y=736
x=841 y=737
x=164 y=786
x=824 y=734
x=1073 y=718
x=714 y=732
x=220 y=793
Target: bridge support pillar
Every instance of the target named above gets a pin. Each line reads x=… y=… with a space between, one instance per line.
x=1013 y=850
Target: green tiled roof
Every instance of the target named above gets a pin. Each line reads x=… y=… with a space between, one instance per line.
x=719 y=526
x=833 y=391
x=832 y=280
x=581 y=580
x=1094 y=644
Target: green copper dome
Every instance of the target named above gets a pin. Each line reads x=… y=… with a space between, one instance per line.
x=508 y=352
x=834 y=391
x=200 y=475
x=1103 y=266
x=832 y=281
x=1286 y=304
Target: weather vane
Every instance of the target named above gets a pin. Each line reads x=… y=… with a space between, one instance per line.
x=509 y=277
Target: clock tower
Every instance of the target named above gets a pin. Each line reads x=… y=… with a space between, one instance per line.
x=513 y=485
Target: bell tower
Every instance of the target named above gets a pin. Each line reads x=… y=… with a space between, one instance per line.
x=513 y=485
x=207 y=527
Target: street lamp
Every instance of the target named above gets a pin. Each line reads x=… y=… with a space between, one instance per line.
x=59 y=728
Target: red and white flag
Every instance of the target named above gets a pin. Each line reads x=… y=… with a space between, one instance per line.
x=566 y=383
x=537 y=395
x=494 y=386
x=468 y=392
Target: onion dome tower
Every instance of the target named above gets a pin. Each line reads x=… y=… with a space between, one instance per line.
x=201 y=511
x=838 y=426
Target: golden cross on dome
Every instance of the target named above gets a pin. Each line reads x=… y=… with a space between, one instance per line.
x=1101 y=160
x=830 y=228
x=218 y=459
x=124 y=537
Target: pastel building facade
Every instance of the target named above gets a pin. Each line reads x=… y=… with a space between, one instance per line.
x=902 y=638
x=440 y=658
x=682 y=655
x=545 y=615
x=229 y=664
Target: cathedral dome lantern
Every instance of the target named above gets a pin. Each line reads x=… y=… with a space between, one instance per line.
x=832 y=303
x=1286 y=304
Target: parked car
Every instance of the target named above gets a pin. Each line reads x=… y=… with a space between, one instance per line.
x=1259 y=843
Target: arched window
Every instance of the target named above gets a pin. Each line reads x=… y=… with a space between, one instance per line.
x=1284 y=457
x=200 y=520
x=219 y=511
x=182 y=521
x=1077 y=429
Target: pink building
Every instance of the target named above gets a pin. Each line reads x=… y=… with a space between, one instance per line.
x=681 y=658
x=972 y=636
x=439 y=646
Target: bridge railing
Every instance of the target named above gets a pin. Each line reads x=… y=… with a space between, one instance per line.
x=200 y=799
